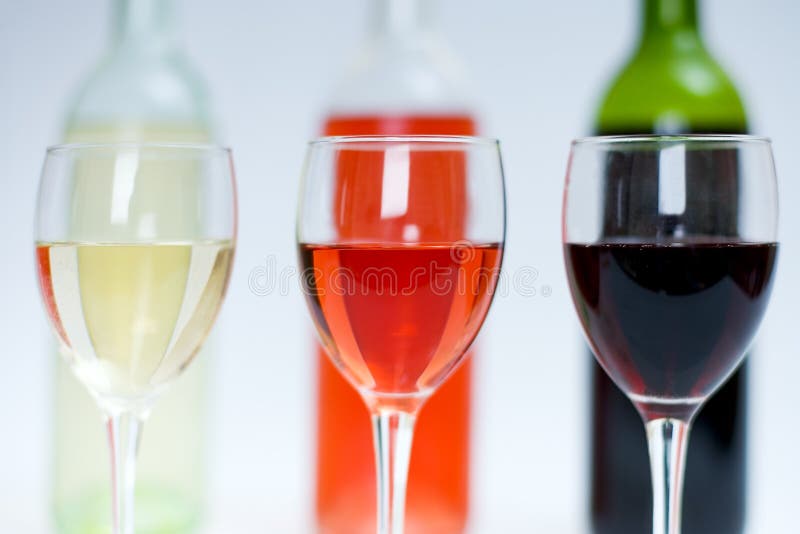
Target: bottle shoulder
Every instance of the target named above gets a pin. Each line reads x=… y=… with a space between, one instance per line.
x=130 y=87
x=687 y=91
x=420 y=75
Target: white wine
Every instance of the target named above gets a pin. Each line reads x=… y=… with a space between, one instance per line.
x=137 y=131
x=171 y=478
x=143 y=92
x=130 y=317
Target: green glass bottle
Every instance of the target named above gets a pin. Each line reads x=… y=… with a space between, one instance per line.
x=143 y=90
x=670 y=85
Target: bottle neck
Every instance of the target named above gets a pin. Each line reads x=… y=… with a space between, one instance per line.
x=669 y=22
x=400 y=18
x=143 y=24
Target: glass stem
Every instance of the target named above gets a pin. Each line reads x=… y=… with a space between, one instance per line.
x=124 y=430
x=667 y=439
x=393 y=432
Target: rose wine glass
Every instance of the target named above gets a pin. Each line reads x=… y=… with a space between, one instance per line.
x=670 y=249
x=396 y=312
x=134 y=248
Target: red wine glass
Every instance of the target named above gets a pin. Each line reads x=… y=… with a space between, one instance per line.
x=400 y=241
x=670 y=249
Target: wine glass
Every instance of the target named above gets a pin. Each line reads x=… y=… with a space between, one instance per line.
x=400 y=241
x=134 y=248
x=670 y=249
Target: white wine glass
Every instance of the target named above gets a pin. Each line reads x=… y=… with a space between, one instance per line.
x=134 y=248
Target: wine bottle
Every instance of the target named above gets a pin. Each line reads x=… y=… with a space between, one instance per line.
x=670 y=85
x=143 y=90
x=404 y=81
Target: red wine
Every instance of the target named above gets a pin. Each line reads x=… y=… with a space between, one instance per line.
x=397 y=319
x=715 y=479
x=652 y=95
x=670 y=321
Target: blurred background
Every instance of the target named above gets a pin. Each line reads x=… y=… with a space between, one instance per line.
x=537 y=73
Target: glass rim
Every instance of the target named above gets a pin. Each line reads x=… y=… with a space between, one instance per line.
x=613 y=140
x=463 y=140
x=133 y=145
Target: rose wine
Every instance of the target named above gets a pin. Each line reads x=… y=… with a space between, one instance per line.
x=398 y=318
x=131 y=316
x=400 y=124
x=438 y=482
x=670 y=322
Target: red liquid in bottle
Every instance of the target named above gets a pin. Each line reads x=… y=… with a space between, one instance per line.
x=438 y=481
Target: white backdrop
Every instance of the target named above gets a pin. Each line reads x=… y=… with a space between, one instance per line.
x=538 y=68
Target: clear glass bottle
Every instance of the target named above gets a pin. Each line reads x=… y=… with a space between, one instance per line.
x=143 y=89
x=403 y=80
